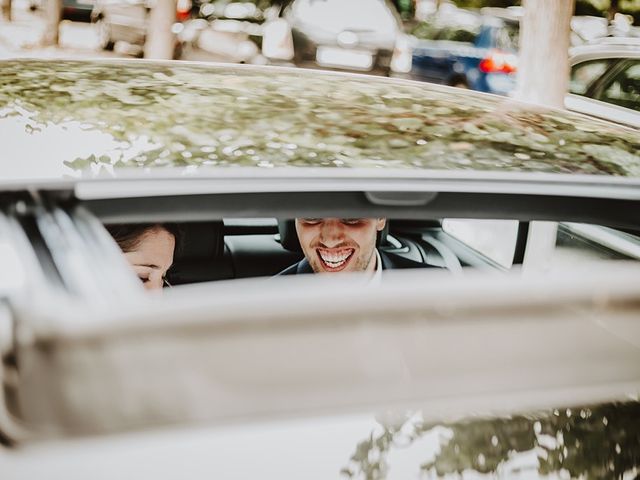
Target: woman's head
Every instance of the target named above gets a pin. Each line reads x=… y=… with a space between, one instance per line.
x=149 y=248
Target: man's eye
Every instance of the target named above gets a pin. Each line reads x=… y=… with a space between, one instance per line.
x=311 y=221
x=351 y=221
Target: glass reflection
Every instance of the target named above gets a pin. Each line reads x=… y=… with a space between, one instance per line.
x=601 y=441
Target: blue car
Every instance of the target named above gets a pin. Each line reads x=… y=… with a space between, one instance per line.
x=477 y=52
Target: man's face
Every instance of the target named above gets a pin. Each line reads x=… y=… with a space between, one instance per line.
x=339 y=244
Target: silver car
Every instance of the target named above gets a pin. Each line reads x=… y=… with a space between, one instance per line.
x=605 y=80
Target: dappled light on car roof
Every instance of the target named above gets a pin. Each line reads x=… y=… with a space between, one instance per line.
x=193 y=115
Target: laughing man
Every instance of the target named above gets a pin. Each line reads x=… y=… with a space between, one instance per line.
x=333 y=245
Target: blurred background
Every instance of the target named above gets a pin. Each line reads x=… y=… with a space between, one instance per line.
x=465 y=43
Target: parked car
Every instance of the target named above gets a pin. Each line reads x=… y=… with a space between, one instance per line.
x=467 y=49
x=481 y=365
x=127 y=21
x=605 y=80
x=224 y=32
x=359 y=35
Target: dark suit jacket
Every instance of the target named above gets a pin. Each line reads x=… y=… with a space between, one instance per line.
x=390 y=261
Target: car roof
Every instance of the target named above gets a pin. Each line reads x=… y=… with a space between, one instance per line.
x=608 y=47
x=77 y=119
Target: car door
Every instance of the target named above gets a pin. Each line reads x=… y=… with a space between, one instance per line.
x=255 y=351
x=91 y=355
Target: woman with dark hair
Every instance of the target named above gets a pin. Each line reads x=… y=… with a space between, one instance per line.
x=149 y=248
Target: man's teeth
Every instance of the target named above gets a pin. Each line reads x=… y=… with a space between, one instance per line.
x=335 y=260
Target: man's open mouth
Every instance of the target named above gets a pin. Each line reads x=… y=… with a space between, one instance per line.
x=335 y=260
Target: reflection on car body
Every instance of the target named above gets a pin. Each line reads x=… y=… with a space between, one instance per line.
x=262 y=365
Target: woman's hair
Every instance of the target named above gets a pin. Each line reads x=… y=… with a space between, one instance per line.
x=129 y=236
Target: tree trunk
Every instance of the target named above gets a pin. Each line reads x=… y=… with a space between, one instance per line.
x=612 y=10
x=6 y=9
x=543 y=63
x=160 y=43
x=53 y=12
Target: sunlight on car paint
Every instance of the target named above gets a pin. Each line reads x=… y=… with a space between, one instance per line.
x=231 y=446
x=12 y=274
x=47 y=150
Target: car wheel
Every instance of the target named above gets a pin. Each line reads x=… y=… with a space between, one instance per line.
x=104 y=35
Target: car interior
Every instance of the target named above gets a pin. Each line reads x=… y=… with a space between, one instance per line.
x=234 y=248
x=242 y=248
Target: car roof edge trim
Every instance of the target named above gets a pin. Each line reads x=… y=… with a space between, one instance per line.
x=336 y=180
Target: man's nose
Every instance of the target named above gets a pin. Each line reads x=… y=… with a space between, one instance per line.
x=332 y=232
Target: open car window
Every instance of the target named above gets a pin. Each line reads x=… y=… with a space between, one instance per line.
x=235 y=248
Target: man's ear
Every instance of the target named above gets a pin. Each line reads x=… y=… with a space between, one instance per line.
x=380 y=224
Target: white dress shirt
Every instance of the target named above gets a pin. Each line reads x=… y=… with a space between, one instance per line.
x=377 y=274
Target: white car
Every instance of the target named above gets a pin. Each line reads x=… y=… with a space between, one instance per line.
x=605 y=80
x=517 y=354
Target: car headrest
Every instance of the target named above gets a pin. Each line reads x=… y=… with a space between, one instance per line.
x=289 y=236
x=201 y=240
x=200 y=257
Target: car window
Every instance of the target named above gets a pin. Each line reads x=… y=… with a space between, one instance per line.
x=494 y=239
x=583 y=243
x=584 y=74
x=624 y=88
x=235 y=248
x=575 y=243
